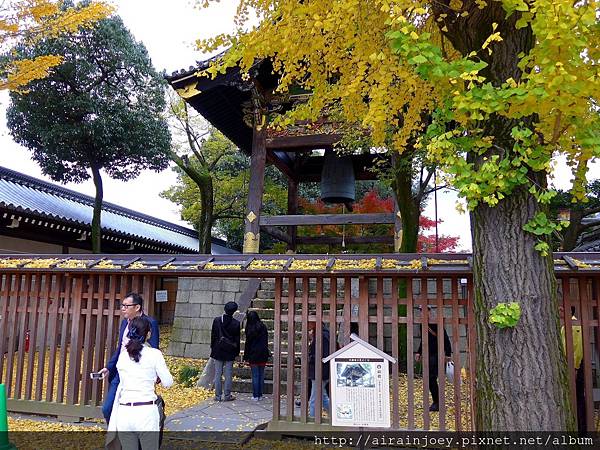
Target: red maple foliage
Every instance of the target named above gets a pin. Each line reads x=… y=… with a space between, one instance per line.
x=373 y=203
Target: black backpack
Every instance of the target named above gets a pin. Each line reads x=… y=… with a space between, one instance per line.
x=225 y=343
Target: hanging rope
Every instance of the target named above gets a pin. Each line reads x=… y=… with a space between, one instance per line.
x=343 y=228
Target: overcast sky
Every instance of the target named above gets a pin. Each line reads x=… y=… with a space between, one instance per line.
x=168 y=29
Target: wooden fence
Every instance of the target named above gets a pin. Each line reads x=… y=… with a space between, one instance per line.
x=57 y=326
x=56 y=329
x=378 y=319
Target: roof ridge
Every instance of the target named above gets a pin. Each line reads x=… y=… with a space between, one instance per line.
x=64 y=192
x=200 y=65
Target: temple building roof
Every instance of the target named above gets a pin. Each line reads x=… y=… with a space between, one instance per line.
x=34 y=209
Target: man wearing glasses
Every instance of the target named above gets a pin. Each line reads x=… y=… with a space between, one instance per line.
x=132 y=306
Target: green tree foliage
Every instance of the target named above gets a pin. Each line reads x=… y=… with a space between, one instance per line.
x=581 y=217
x=100 y=109
x=229 y=174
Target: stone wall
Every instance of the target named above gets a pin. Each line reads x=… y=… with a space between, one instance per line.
x=199 y=301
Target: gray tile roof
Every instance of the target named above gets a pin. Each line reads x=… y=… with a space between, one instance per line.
x=22 y=193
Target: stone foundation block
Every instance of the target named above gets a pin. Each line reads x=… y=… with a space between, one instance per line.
x=211 y=311
x=197 y=351
x=201 y=297
x=201 y=336
x=176 y=349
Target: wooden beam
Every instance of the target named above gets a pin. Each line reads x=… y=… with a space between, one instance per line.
x=283 y=167
x=337 y=240
x=277 y=234
x=302 y=143
x=292 y=205
x=328 y=219
x=256 y=186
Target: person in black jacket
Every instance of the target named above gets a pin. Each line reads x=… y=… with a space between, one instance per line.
x=256 y=352
x=312 y=364
x=224 y=348
x=432 y=342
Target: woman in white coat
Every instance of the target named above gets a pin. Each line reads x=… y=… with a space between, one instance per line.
x=135 y=417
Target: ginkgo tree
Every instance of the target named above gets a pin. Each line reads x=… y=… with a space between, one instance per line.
x=508 y=84
x=26 y=21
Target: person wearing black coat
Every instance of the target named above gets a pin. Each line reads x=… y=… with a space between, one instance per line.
x=311 y=368
x=256 y=352
x=432 y=343
x=224 y=348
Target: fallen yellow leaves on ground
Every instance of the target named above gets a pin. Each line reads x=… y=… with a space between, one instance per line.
x=178 y=398
x=434 y=417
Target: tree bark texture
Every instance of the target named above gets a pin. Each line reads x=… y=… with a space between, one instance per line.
x=206 y=214
x=205 y=220
x=521 y=371
x=96 y=218
x=521 y=381
x=571 y=233
x=204 y=182
x=408 y=205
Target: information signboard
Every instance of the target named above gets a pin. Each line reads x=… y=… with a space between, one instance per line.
x=360 y=386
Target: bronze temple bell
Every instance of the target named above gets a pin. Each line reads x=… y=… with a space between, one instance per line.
x=337 y=179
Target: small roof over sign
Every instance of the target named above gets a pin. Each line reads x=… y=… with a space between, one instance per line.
x=358 y=341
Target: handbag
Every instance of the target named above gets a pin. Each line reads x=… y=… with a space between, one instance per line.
x=225 y=343
x=160 y=404
x=207 y=378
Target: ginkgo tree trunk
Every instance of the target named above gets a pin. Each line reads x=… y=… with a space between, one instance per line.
x=521 y=372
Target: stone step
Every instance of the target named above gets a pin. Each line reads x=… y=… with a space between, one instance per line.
x=264 y=313
x=267 y=283
x=265 y=294
x=262 y=303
